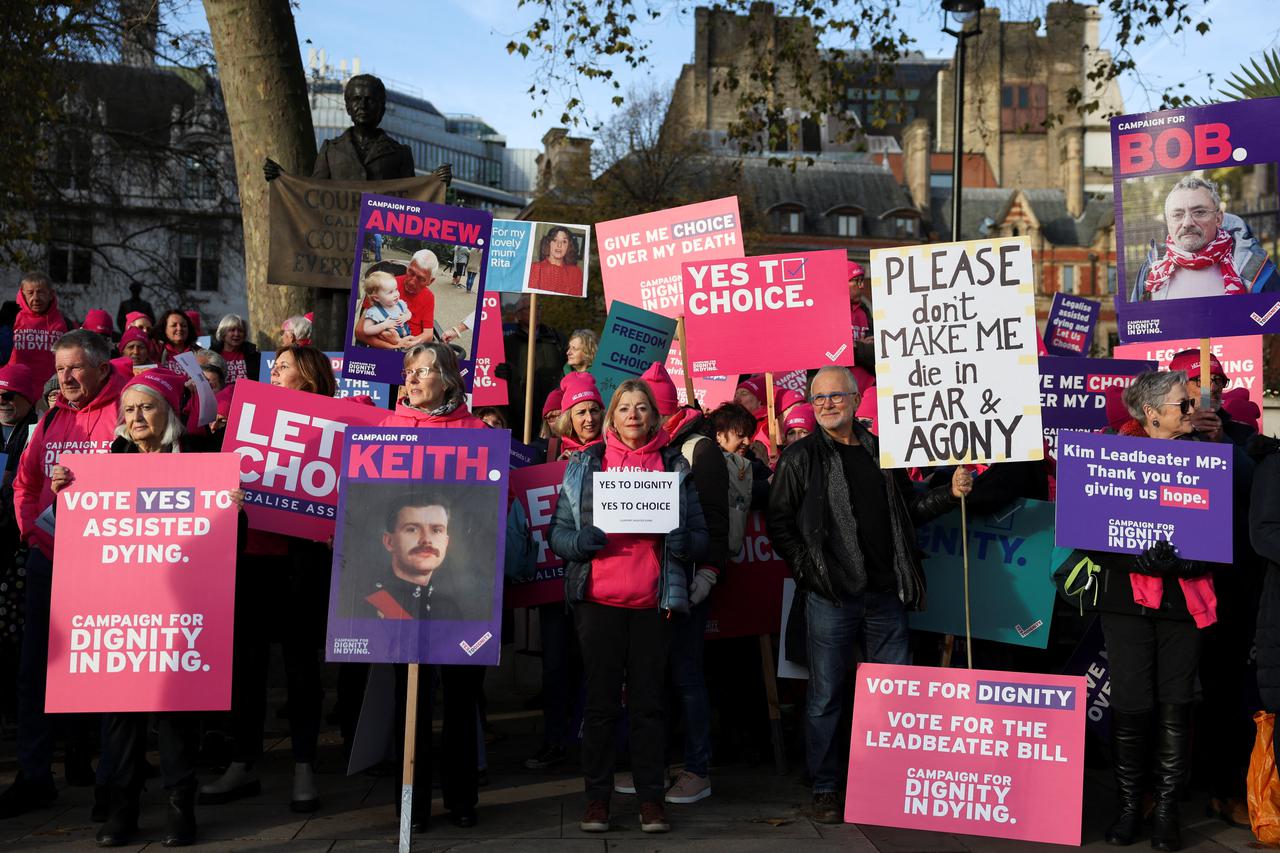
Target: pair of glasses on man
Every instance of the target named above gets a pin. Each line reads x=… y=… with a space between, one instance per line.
x=8 y=396
x=836 y=398
x=1217 y=382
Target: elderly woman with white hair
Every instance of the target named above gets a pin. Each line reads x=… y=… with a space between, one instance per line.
x=230 y=340
x=296 y=330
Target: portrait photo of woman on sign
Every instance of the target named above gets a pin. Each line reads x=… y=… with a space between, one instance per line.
x=560 y=266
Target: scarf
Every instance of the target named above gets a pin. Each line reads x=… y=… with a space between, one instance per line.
x=1218 y=252
x=450 y=404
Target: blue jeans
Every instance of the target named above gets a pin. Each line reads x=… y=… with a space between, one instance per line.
x=687 y=640
x=877 y=622
x=471 y=280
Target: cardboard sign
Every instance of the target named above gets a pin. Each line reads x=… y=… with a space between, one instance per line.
x=799 y=303
x=144 y=584
x=1073 y=390
x=1241 y=359
x=955 y=339
x=972 y=752
x=746 y=597
x=539 y=257
x=409 y=297
x=537 y=488
x=1123 y=494
x=632 y=341
x=1011 y=591
x=488 y=389
x=417 y=563
x=290 y=443
x=378 y=392
x=1069 y=331
x=636 y=501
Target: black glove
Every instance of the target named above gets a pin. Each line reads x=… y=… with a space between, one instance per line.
x=1162 y=559
x=591 y=539
x=679 y=541
x=502 y=371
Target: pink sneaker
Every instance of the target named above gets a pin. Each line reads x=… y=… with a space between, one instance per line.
x=689 y=788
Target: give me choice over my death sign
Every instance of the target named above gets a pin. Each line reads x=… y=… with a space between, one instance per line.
x=955 y=341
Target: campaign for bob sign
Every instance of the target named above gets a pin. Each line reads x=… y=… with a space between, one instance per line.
x=144 y=584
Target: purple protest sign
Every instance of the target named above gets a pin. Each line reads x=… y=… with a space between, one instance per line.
x=1122 y=494
x=1070 y=327
x=1073 y=390
x=407 y=286
x=417 y=563
x=1189 y=266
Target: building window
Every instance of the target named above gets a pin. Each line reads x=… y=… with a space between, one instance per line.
x=848 y=224
x=70 y=258
x=1111 y=278
x=1024 y=107
x=905 y=226
x=788 y=220
x=72 y=157
x=201 y=182
x=1068 y=279
x=199 y=258
x=940 y=180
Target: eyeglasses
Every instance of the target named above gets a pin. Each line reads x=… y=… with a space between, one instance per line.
x=420 y=372
x=1184 y=406
x=837 y=398
x=1199 y=214
x=1218 y=382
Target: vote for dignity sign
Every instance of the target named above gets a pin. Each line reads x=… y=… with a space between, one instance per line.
x=968 y=751
x=144 y=584
x=799 y=303
x=955 y=341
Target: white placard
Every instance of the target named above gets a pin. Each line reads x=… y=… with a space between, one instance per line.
x=204 y=391
x=636 y=501
x=957 y=377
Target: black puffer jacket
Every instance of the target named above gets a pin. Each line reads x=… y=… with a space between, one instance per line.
x=711 y=479
x=1264 y=532
x=799 y=521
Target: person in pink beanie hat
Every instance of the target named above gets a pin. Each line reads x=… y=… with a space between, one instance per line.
x=663 y=387
x=97 y=320
x=799 y=423
x=581 y=418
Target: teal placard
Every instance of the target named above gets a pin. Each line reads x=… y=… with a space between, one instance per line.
x=633 y=340
x=1011 y=560
x=509 y=256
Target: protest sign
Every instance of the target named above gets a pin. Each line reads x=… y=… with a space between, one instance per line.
x=747 y=595
x=417 y=562
x=1122 y=494
x=955 y=340
x=1069 y=330
x=787 y=669
x=416 y=291
x=972 y=752
x=314 y=223
x=290 y=443
x=537 y=488
x=799 y=303
x=144 y=584
x=378 y=392
x=633 y=340
x=524 y=455
x=640 y=264
x=488 y=389
x=206 y=401
x=1010 y=583
x=1073 y=390
x=539 y=257
x=1089 y=661
x=1241 y=359
x=636 y=501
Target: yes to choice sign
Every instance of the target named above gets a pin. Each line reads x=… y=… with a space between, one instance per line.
x=636 y=501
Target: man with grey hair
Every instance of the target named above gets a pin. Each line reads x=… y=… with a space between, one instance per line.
x=847 y=530
x=415 y=290
x=1198 y=251
x=82 y=420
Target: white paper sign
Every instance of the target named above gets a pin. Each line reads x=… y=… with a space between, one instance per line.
x=636 y=501
x=957 y=377
x=204 y=391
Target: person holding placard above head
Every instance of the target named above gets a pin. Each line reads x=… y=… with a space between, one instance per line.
x=557 y=269
x=847 y=530
x=625 y=589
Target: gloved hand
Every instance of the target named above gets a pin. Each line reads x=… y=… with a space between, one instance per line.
x=1162 y=559
x=591 y=539
x=502 y=370
x=700 y=587
x=678 y=542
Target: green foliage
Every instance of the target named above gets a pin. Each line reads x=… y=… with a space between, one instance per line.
x=1254 y=80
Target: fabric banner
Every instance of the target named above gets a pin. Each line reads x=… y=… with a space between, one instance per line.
x=537 y=488
x=973 y=752
x=539 y=257
x=956 y=369
x=1241 y=359
x=1123 y=494
x=488 y=389
x=290 y=443
x=1011 y=591
x=632 y=341
x=314 y=224
x=418 y=559
x=144 y=584
x=1072 y=319
x=420 y=290
x=746 y=599
x=378 y=392
x=798 y=302
x=1073 y=390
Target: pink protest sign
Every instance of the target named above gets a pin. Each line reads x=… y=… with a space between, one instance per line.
x=488 y=389
x=537 y=488
x=1241 y=359
x=143 y=584
x=972 y=751
x=799 y=303
x=290 y=446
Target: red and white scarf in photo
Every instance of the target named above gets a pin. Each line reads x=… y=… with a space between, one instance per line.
x=1218 y=251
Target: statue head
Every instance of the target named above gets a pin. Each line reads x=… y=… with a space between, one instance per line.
x=366 y=100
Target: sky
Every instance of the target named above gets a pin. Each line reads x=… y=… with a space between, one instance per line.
x=453 y=52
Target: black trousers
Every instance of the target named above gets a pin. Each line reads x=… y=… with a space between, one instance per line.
x=459 y=757
x=621 y=644
x=561 y=671
x=179 y=744
x=1151 y=660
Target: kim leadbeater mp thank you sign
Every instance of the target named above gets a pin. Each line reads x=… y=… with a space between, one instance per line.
x=955 y=342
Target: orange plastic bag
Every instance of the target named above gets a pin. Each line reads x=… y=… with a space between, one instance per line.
x=1264 y=787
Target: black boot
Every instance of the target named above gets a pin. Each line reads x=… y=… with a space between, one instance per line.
x=1173 y=751
x=180 y=819
x=1129 y=753
x=101 y=803
x=122 y=824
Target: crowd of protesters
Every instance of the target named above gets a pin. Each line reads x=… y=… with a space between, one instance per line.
x=1180 y=634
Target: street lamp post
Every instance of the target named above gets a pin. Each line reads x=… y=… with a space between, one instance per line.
x=962 y=9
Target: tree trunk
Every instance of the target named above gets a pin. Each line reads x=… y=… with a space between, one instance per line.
x=265 y=90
